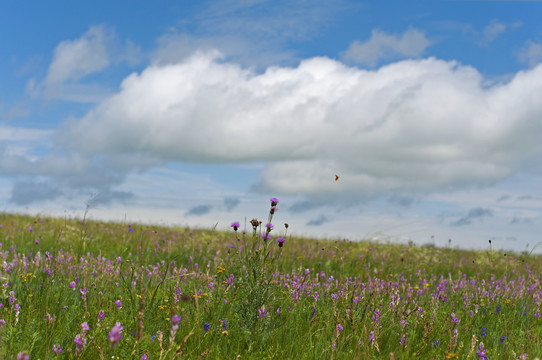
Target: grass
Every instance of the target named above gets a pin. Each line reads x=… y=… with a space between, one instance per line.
x=74 y=289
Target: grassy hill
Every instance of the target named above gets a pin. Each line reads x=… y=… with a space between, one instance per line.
x=74 y=289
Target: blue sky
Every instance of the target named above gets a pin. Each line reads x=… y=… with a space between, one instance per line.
x=196 y=113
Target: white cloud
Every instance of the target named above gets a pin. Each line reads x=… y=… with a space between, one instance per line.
x=531 y=53
x=73 y=59
x=382 y=46
x=494 y=29
x=412 y=126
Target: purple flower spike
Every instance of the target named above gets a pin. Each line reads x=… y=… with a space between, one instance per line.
x=23 y=356
x=116 y=334
x=175 y=319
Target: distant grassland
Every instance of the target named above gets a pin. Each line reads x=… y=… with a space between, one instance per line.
x=74 y=289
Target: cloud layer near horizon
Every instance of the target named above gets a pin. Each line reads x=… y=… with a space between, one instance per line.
x=411 y=126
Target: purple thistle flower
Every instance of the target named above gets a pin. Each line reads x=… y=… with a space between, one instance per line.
x=281 y=241
x=266 y=236
x=235 y=225
x=269 y=226
x=116 y=334
x=274 y=201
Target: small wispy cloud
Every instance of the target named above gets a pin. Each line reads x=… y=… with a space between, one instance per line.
x=318 y=221
x=74 y=59
x=199 y=210
x=531 y=53
x=495 y=29
x=382 y=46
x=473 y=214
x=231 y=203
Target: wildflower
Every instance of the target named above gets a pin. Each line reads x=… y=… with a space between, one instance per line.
x=225 y=332
x=57 y=349
x=255 y=223
x=85 y=327
x=80 y=343
x=144 y=357
x=281 y=241
x=451 y=356
x=483 y=331
x=175 y=319
x=339 y=328
x=101 y=315
x=261 y=312
x=455 y=319
x=274 y=201
x=206 y=326
x=23 y=356
x=48 y=318
x=334 y=345
x=266 y=236
x=116 y=334
x=481 y=352
x=454 y=338
x=72 y=285
x=371 y=337
x=235 y=225
x=502 y=339
x=403 y=339
x=225 y=324
x=30 y=229
x=269 y=227
x=498 y=309
x=118 y=303
x=376 y=315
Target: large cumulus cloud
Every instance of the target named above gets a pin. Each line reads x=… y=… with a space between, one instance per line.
x=411 y=126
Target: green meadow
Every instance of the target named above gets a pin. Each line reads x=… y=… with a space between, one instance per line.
x=79 y=289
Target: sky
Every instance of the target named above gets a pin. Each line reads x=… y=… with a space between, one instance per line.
x=196 y=113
